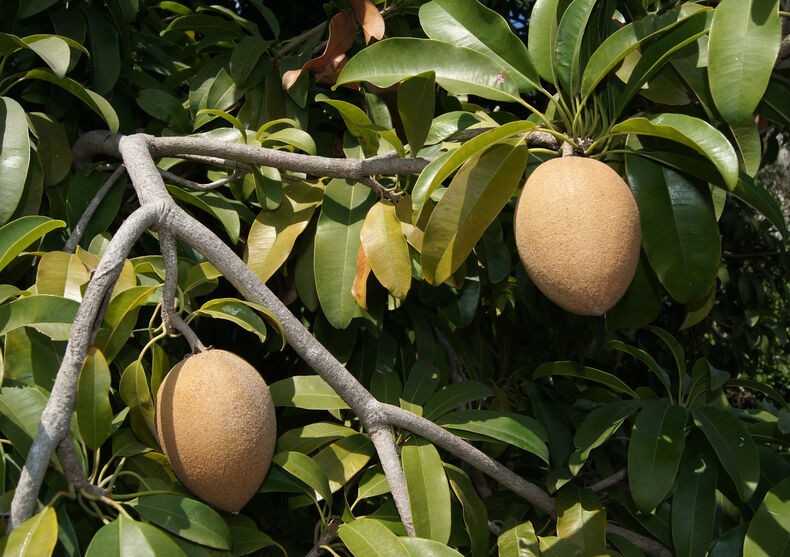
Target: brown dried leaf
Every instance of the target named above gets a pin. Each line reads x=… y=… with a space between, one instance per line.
x=369 y=18
x=360 y=287
x=342 y=29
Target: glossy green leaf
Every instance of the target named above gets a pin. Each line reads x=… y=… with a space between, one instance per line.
x=654 y=452
x=344 y=459
x=83 y=187
x=597 y=427
x=416 y=104
x=20 y=414
x=749 y=144
x=476 y=195
x=61 y=274
x=239 y=312
x=421 y=547
x=645 y=358
x=769 y=530
x=307 y=470
x=760 y=199
x=622 y=42
x=50 y=315
x=215 y=204
x=744 y=42
x=469 y=24
x=514 y=429
x=733 y=445
x=570 y=32
x=655 y=56
x=94 y=413
x=542 y=39
x=422 y=380
x=165 y=106
x=124 y=537
x=691 y=132
x=640 y=304
x=462 y=72
x=372 y=483
x=247 y=539
x=555 y=546
x=337 y=242
x=581 y=519
x=519 y=541
x=367 y=537
x=92 y=100
x=730 y=543
x=105 y=51
x=358 y=123
x=474 y=510
x=14 y=155
x=679 y=231
x=35 y=537
x=455 y=396
x=53 y=147
x=386 y=249
x=429 y=491
x=310 y=392
x=31 y=357
x=120 y=319
x=135 y=392
x=773 y=106
x=573 y=369
x=185 y=517
x=692 y=523
x=311 y=436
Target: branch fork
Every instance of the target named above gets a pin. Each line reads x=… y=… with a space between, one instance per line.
x=158 y=211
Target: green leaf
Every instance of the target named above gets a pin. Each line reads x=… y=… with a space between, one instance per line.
x=386 y=249
x=654 y=452
x=597 y=427
x=542 y=39
x=93 y=100
x=581 y=519
x=35 y=537
x=344 y=459
x=310 y=437
x=570 y=32
x=166 y=107
x=416 y=104
x=462 y=72
x=215 y=204
x=731 y=542
x=455 y=396
x=750 y=146
x=760 y=387
x=476 y=195
x=358 y=123
x=20 y=414
x=367 y=537
x=469 y=24
x=310 y=392
x=121 y=318
x=760 y=199
x=185 y=517
x=640 y=304
x=573 y=369
x=124 y=537
x=680 y=235
x=61 y=274
x=769 y=530
x=372 y=484
x=421 y=382
x=692 y=524
x=622 y=42
x=105 y=51
x=53 y=147
x=240 y=312
x=307 y=470
x=439 y=169
x=421 y=547
x=514 y=429
x=691 y=132
x=50 y=315
x=429 y=492
x=734 y=447
x=134 y=391
x=94 y=413
x=474 y=510
x=519 y=541
x=337 y=242
x=14 y=155
x=555 y=546
x=744 y=42
x=248 y=539
x=645 y=358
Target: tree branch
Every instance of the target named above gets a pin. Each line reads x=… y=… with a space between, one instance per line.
x=172 y=321
x=82 y=224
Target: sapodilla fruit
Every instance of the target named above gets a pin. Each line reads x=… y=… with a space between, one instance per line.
x=216 y=424
x=578 y=234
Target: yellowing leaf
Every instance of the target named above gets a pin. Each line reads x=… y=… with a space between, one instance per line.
x=386 y=249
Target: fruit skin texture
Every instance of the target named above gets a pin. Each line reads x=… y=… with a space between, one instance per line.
x=216 y=423
x=578 y=233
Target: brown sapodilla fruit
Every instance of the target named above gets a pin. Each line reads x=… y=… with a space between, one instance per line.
x=216 y=424
x=578 y=233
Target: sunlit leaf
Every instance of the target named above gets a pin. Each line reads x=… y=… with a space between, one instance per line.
x=429 y=491
x=124 y=537
x=35 y=537
x=94 y=413
x=14 y=155
x=185 y=517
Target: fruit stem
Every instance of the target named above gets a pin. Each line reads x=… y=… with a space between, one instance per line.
x=567 y=149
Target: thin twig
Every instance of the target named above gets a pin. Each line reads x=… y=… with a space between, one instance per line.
x=329 y=534
x=608 y=482
x=184 y=182
x=82 y=224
